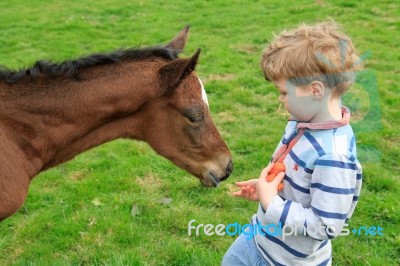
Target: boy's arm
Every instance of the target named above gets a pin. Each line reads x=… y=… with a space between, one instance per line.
x=333 y=186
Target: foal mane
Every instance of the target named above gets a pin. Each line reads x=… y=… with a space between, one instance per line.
x=72 y=67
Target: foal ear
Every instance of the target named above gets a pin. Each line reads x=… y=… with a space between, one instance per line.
x=174 y=72
x=179 y=42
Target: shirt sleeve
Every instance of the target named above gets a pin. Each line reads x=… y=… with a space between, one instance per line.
x=332 y=189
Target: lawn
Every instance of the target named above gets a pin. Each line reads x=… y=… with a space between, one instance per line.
x=122 y=204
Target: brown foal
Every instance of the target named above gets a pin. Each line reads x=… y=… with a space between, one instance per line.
x=49 y=113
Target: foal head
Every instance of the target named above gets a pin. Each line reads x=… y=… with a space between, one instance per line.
x=178 y=124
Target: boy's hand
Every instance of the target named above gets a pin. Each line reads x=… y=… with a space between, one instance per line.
x=267 y=190
x=248 y=190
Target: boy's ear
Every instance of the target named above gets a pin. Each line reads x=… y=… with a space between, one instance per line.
x=317 y=89
x=174 y=72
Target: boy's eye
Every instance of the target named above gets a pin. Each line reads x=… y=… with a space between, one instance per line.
x=282 y=94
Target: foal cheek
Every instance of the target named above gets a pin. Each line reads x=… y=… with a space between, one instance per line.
x=194 y=135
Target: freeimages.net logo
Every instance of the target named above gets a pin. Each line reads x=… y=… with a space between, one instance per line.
x=283 y=231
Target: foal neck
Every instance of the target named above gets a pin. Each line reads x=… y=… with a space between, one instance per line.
x=69 y=116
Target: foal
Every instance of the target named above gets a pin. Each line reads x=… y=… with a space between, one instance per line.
x=49 y=113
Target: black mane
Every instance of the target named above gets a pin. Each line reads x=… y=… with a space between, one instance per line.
x=72 y=67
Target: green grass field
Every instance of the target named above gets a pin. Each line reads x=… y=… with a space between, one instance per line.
x=80 y=212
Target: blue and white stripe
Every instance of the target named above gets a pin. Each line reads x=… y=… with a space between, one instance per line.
x=322 y=185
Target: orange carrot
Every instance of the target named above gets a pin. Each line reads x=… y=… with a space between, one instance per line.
x=278 y=167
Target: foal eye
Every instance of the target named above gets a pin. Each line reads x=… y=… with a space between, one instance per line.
x=195 y=118
x=194 y=114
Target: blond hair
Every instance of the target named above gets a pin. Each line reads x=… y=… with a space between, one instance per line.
x=318 y=52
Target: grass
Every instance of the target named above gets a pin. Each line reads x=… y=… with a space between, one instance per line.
x=80 y=212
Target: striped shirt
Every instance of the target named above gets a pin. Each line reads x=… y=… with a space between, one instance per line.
x=321 y=187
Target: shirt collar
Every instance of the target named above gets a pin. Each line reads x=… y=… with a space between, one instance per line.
x=329 y=124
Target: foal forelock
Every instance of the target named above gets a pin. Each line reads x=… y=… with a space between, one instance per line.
x=203 y=93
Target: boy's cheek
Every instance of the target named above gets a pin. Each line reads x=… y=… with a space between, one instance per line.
x=301 y=92
x=301 y=107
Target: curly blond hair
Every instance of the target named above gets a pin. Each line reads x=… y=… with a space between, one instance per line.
x=312 y=52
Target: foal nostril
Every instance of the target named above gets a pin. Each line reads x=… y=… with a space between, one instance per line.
x=228 y=170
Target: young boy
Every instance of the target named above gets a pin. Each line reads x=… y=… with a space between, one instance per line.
x=312 y=67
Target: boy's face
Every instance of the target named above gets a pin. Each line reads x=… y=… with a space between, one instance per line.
x=298 y=101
